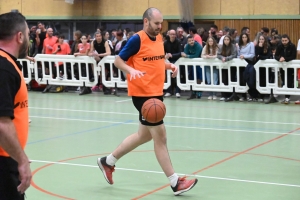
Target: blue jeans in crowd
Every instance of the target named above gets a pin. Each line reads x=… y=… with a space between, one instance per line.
x=208 y=78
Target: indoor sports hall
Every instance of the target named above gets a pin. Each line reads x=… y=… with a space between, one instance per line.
x=237 y=150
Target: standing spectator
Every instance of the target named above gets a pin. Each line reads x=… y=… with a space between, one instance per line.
x=40 y=36
x=246 y=51
x=286 y=52
x=203 y=34
x=100 y=48
x=298 y=71
x=182 y=39
x=172 y=49
x=83 y=50
x=129 y=35
x=263 y=52
x=77 y=39
x=113 y=38
x=213 y=31
x=195 y=35
x=210 y=52
x=61 y=48
x=105 y=36
x=32 y=39
x=15 y=174
x=246 y=30
x=49 y=42
x=120 y=43
x=226 y=53
x=225 y=32
x=193 y=50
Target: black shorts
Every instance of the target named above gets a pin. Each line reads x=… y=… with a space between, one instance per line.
x=138 y=103
x=9 y=179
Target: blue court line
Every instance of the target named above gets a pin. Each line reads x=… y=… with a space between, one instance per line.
x=80 y=132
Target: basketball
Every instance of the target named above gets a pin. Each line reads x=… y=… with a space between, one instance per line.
x=153 y=110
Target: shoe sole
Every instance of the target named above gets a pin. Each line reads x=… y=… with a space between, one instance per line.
x=102 y=169
x=182 y=191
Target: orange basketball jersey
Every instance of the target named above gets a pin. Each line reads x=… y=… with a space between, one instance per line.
x=151 y=60
x=21 y=108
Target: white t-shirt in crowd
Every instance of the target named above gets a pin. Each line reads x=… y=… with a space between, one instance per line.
x=298 y=46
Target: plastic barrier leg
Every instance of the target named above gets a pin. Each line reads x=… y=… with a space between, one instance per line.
x=233 y=97
x=193 y=95
x=272 y=99
x=47 y=88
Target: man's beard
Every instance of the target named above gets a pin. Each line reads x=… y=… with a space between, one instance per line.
x=23 y=49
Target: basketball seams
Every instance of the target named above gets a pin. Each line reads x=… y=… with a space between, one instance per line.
x=153 y=109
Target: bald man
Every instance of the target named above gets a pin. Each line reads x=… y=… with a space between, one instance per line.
x=145 y=68
x=49 y=42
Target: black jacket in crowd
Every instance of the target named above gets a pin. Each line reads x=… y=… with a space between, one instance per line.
x=173 y=48
x=289 y=52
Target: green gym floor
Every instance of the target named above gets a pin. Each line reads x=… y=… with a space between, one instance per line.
x=237 y=150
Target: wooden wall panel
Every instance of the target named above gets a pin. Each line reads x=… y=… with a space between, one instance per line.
x=207 y=7
x=115 y=8
x=290 y=27
x=235 y=7
x=51 y=8
x=276 y=7
x=7 y=6
x=165 y=6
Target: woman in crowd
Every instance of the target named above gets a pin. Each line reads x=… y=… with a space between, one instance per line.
x=226 y=53
x=210 y=52
x=246 y=51
x=263 y=52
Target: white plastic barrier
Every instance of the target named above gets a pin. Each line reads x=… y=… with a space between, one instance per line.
x=192 y=84
x=115 y=79
x=70 y=62
x=272 y=63
x=29 y=69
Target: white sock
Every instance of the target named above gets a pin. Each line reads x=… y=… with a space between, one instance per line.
x=173 y=179
x=111 y=160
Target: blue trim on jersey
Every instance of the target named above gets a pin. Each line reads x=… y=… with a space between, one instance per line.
x=131 y=48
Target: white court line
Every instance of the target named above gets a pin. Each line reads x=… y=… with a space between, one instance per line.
x=157 y=172
x=180 y=117
x=185 y=127
x=123 y=101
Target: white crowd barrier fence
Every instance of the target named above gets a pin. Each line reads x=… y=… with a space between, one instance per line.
x=111 y=77
x=233 y=82
x=27 y=69
x=115 y=78
x=272 y=64
x=70 y=65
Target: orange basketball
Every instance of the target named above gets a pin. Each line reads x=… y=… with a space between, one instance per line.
x=153 y=110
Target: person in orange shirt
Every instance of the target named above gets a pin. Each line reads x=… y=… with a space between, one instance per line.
x=15 y=174
x=49 y=42
x=61 y=48
x=145 y=68
x=84 y=48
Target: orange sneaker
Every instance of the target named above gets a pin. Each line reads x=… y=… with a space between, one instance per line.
x=106 y=169
x=183 y=185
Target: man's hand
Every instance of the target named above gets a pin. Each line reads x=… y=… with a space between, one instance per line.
x=183 y=54
x=281 y=59
x=223 y=59
x=174 y=69
x=25 y=176
x=133 y=73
